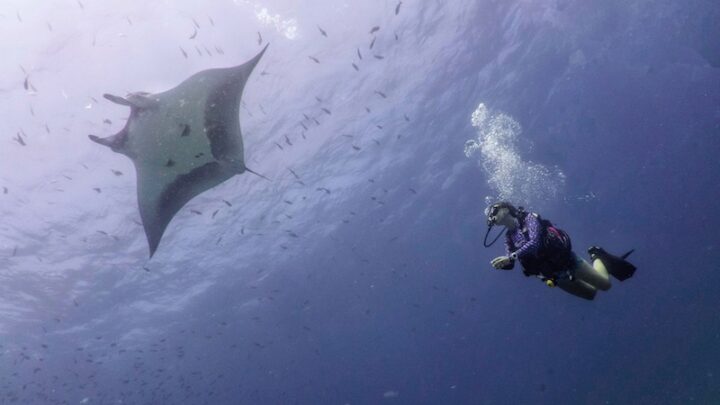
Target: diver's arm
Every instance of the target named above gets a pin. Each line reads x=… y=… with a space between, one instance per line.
x=504 y=262
x=533 y=244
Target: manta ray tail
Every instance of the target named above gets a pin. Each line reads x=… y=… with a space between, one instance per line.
x=256 y=173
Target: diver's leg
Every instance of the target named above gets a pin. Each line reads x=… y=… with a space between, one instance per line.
x=617 y=266
x=596 y=275
x=578 y=288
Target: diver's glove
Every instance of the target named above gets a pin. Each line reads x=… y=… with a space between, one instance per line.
x=502 y=263
x=550 y=282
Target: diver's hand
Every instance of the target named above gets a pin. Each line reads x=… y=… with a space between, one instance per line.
x=501 y=262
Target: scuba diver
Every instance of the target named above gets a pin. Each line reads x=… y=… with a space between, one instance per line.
x=545 y=251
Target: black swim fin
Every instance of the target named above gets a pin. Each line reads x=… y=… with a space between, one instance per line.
x=618 y=267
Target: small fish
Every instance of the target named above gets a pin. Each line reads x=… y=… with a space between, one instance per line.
x=397 y=8
x=287 y=140
x=288 y=202
x=227 y=203
x=186 y=130
x=5 y=190
x=375 y=29
x=183 y=52
x=212 y=22
x=359 y=54
x=19 y=139
x=194 y=34
x=146 y=269
x=355 y=67
x=215 y=213
x=316 y=60
x=380 y=57
x=26 y=83
x=129 y=20
x=323 y=189
x=372 y=43
x=347 y=136
x=116 y=172
x=356 y=147
x=397 y=38
x=319 y=100
x=107 y=121
x=412 y=190
x=49 y=26
x=367 y=109
x=306 y=116
x=322 y=31
x=278 y=145
x=170 y=163
x=326 y=111
x=304 y=127
x=97 y=190
x=81 y=5
x=196 y=23
x=294 y=174
x=406 y=118
x=259 y=38
x=316 y=121
x=380 y=93
x=376 y=142
x=196 y=212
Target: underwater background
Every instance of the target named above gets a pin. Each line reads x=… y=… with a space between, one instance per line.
x=357 y=275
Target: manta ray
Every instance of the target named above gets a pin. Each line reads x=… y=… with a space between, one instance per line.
x=182 y=142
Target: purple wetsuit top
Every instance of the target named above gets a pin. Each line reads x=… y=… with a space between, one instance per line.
x=516 y=242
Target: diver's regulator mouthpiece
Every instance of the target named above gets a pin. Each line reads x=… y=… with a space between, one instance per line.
x=490 y=222
x=492 y=214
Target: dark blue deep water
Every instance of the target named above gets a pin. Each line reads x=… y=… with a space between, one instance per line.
x=357 y=275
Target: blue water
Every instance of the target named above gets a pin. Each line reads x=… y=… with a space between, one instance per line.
x=602 y=116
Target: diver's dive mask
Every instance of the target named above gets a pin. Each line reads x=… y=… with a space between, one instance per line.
x=492 y=214
x=491 y=218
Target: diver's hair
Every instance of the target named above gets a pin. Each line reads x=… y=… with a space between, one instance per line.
x=515 y=212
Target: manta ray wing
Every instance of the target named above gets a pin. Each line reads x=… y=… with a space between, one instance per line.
x=182 y=142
